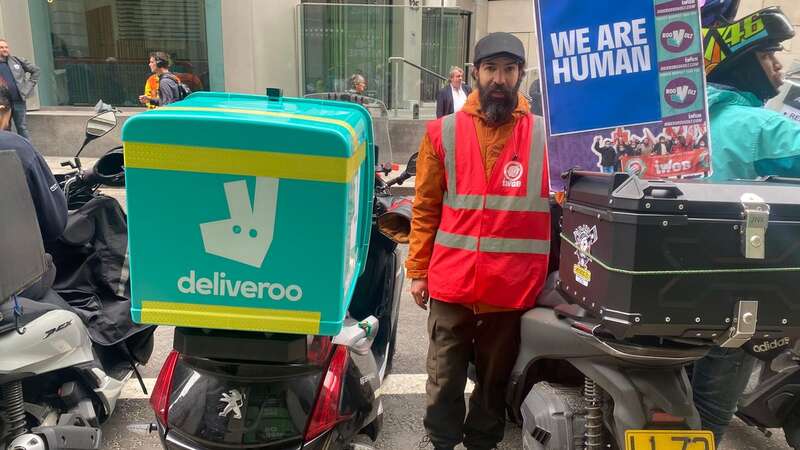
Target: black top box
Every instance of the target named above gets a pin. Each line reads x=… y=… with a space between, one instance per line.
x=696 y=259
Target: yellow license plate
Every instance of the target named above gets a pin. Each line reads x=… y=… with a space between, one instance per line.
x=668 y=440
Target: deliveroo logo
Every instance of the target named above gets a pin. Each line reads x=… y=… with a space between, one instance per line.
x=247 y=235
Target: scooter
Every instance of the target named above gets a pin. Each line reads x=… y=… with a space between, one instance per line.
x=587 y=376
x=60 y=375
x=285 y=391
x=574 y=387
x=771 y=398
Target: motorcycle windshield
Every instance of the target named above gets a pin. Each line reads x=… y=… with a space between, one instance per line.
x=235 y=404
x=380 y=120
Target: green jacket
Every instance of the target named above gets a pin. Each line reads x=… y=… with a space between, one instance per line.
x=748 y=140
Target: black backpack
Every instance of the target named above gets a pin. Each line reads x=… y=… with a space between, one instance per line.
x=183 y=89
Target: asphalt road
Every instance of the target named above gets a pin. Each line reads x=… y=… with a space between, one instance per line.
x=403 y=401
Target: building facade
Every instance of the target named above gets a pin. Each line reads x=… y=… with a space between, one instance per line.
x=93 y=49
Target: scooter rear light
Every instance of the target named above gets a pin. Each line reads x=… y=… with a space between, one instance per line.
x=326 y=410
x=318 y=350
x=159 y=399
x=662 y=418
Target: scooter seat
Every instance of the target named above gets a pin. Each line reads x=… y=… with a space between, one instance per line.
x=31 y=310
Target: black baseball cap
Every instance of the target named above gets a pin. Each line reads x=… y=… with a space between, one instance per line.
x=499 y=44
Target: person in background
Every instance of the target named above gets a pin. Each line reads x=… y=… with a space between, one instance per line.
x=151 y=89
x=646 y=146
x=607 y=152
x=663 y=147
x=168 y=91
x=452 y=97
x=358 y=84
x=748 y=141
x=20 y=77
x=48 y=198
x=681 y=145
x=535 y=93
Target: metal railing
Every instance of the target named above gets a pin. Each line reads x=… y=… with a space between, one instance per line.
x=395 y=61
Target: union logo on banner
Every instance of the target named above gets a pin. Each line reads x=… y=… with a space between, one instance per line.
x=688 y=163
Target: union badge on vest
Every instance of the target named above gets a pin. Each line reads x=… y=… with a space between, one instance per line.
x=512 y=173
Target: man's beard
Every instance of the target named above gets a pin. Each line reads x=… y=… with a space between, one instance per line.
x=498 y=110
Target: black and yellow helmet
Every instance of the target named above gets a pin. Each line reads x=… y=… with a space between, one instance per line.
x=730 y=50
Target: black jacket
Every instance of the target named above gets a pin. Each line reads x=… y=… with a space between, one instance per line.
x=662 y=148
x=48 y=198
x=444 y=100
x=608 y=154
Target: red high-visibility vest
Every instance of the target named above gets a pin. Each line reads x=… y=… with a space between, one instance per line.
x=493 y=241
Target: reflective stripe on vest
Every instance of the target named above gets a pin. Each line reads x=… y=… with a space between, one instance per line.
x=532 y=202
x=493 y=245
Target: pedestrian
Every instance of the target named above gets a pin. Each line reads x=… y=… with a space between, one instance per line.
x=452 y=97
x=358 y=84
x=20 y=77
x=535 y=93
x=498 y=205
x=48 y=198
x=151 y=89
x=608 y=154
x=168 y=90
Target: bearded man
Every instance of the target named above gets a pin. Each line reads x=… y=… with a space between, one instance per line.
x=479 y=244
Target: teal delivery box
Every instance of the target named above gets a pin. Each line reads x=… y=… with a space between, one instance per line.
x=248 y=212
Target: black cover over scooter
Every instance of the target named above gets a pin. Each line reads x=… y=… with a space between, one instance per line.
x=667 y=258
x=92 y=271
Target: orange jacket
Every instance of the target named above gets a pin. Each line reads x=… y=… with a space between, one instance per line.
x=151 y=89
x=430 y=186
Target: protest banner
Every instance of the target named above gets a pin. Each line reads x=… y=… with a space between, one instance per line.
x=691 y=162
x=622 y=80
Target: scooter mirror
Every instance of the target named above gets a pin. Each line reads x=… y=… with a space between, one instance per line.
x=411 y=167
x=100 y=124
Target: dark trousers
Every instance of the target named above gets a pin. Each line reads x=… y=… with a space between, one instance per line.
x=718 y=380
x=456 y=335
x=18 y=114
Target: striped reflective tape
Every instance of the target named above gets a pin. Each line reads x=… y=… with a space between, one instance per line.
x=505 y=245
x=493 y=245
x=230 y=317
x=532 y=202
x=229 y=161
x=460 y=241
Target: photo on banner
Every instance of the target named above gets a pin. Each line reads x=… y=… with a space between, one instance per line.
x=623 y=87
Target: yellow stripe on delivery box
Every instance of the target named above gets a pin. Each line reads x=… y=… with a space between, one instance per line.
x=230 y=317
x=254 y=112
x=228 y=161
